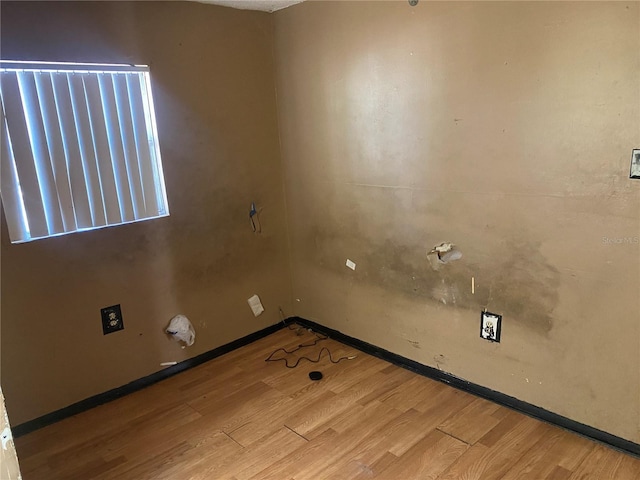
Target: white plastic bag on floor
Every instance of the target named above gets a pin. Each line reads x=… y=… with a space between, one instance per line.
x=181 y=329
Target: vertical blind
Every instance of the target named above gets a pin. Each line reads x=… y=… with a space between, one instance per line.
x=78 y=148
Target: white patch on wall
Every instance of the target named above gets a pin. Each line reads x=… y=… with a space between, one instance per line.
x=6 y=437
x=442 y=254
x=256 y=305
x=351 y=264
x=446 y=293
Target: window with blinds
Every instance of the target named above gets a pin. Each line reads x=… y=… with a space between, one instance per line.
x=78 y=148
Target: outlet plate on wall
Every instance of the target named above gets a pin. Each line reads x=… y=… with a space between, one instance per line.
x=635 y=164
x=111 y=319
x=490 y=326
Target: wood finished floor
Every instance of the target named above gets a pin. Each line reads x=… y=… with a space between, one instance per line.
x=240 y=418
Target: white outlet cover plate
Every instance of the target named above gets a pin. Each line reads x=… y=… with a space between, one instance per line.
x=351 y=264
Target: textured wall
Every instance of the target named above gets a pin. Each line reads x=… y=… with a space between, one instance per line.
x=504 y=127
x=213 y=85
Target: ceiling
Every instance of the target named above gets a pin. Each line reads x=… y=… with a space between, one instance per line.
x=263 y=5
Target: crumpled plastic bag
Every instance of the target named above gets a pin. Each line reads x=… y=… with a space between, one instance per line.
x=181 y=329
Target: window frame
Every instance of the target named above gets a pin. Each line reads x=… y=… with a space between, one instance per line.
x=82 y=122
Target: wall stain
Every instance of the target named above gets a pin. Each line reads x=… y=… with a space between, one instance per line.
x=516 y=281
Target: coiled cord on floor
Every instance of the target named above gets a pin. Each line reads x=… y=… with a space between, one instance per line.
x=318 y=338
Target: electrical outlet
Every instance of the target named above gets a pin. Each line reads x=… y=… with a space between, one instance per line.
x=490 y=326
x=635 y=163
x=111 y=319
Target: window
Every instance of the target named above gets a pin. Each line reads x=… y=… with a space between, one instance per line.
x=78 y=148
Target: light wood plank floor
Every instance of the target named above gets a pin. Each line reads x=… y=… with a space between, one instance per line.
x=238 y=417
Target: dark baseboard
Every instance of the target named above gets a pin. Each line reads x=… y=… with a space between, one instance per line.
x=139 y=384
x=478 y=390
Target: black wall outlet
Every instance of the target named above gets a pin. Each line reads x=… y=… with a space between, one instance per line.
x=490 y=326
x=111 y=319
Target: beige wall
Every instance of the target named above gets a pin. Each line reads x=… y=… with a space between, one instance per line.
x=213 y=85
x=504 y=127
